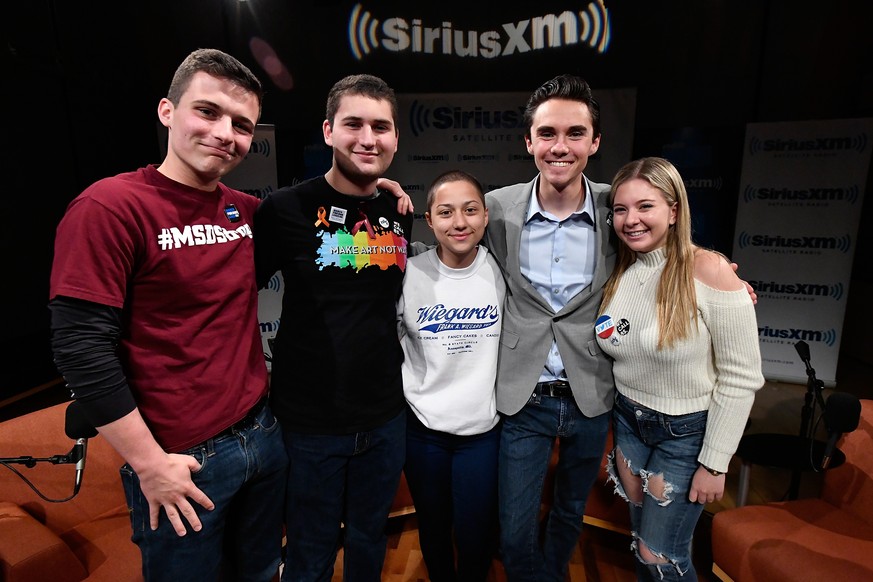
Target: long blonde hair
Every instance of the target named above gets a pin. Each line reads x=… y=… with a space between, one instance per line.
x=676 y=299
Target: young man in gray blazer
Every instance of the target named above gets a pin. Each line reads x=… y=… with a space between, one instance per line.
x=556 y=247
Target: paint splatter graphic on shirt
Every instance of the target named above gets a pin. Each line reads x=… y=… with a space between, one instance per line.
x=357 y=251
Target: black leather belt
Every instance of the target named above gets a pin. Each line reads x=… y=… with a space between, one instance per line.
x=554 y=388
x=247 y=421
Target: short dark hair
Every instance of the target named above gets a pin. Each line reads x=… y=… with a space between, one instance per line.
x=453 y=176
x=568 y=87
x=366 y=85
x=217 y=64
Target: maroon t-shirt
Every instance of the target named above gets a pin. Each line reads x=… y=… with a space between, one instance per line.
x=179 y=262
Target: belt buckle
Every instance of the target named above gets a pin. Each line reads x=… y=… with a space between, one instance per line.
x=557 y=387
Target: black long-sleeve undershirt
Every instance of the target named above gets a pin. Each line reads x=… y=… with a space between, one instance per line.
x=84 y=342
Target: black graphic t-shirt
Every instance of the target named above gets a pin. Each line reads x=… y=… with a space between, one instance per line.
x=336 y=358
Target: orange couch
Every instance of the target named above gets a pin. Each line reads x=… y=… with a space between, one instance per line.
x=86 y=538
x=824 y=538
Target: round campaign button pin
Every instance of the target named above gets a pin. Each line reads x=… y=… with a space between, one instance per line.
x=623 y=327
x=604 y=326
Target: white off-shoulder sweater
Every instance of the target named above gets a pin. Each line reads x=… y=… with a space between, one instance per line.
x=717 y=368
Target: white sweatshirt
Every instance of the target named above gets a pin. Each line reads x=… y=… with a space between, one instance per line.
x=449 y=322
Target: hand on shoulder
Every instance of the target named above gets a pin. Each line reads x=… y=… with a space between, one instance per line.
x=713 y=270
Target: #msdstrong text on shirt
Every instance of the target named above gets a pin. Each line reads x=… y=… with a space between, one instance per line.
x=200 y=234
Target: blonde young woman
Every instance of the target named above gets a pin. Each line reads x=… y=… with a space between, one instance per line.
x=681 y=328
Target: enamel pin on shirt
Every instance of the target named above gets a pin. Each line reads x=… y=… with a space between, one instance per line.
x=231 y=213
x=604 y=328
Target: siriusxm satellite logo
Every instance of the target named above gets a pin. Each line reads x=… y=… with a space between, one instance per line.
x=260 y=148
x=275 y=283
x=857 y=143
x=269 y=326
x=441 y=117
x=834 y=291
x=769 y=241
x=851 y=194
x=258 y=192
x=396 y=34
x=828 y=336
x=715 y=183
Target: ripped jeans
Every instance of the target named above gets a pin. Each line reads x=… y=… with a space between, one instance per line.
x=662 y=449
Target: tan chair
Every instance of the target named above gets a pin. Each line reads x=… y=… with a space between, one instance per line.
x=824 y=538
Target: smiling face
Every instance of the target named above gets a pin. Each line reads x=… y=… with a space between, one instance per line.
x=364 y=139
x=458 y=218
x=210 y=130
x=561 y=141
x=641 y=215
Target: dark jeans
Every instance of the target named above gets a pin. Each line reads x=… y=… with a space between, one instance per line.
x=453 y=482
x=243 y=473
x=340 y=490
x=525 y=448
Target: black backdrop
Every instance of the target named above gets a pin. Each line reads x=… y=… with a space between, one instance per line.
x=82 y=81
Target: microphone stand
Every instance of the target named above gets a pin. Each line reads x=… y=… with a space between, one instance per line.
x=813 y=396
x=30 y=462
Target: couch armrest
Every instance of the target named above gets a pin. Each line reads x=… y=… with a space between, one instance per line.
x=30 y=551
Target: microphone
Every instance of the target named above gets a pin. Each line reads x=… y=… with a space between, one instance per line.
x=77 y=455
x=77 y=427
x=842 y=414
x=802 y=349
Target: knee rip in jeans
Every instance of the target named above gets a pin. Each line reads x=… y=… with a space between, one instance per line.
x=653 y=560
x=657 y=487
x=612 y=474
x=653 y=484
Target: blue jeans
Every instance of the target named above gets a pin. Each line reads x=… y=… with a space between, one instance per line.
x=453 y=482
x=660 y=444
x=243 y=474
x=525 y=448
x=340 y=490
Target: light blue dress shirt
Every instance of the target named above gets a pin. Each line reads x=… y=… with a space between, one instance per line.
x=557 y=257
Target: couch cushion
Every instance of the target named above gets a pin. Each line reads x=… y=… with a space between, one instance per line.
x=104 y=546
x=41 y=434
x=805 y=539
x=30 y=551
x=850 y=486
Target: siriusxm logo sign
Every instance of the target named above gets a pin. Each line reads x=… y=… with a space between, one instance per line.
x=269 y=326
x=704 y=183
x=588 y=27
x=828 y=337
x=443 y=117
x=260 y=148
x=258 y=192
x=439 y=318
x=851 y=194
x=478 y=157
x=857 y=143
x=428 y=158
x=275 y=283
x=799 y=289
x=768 y=241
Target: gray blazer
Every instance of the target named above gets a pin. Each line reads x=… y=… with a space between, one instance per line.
x=529 y=322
